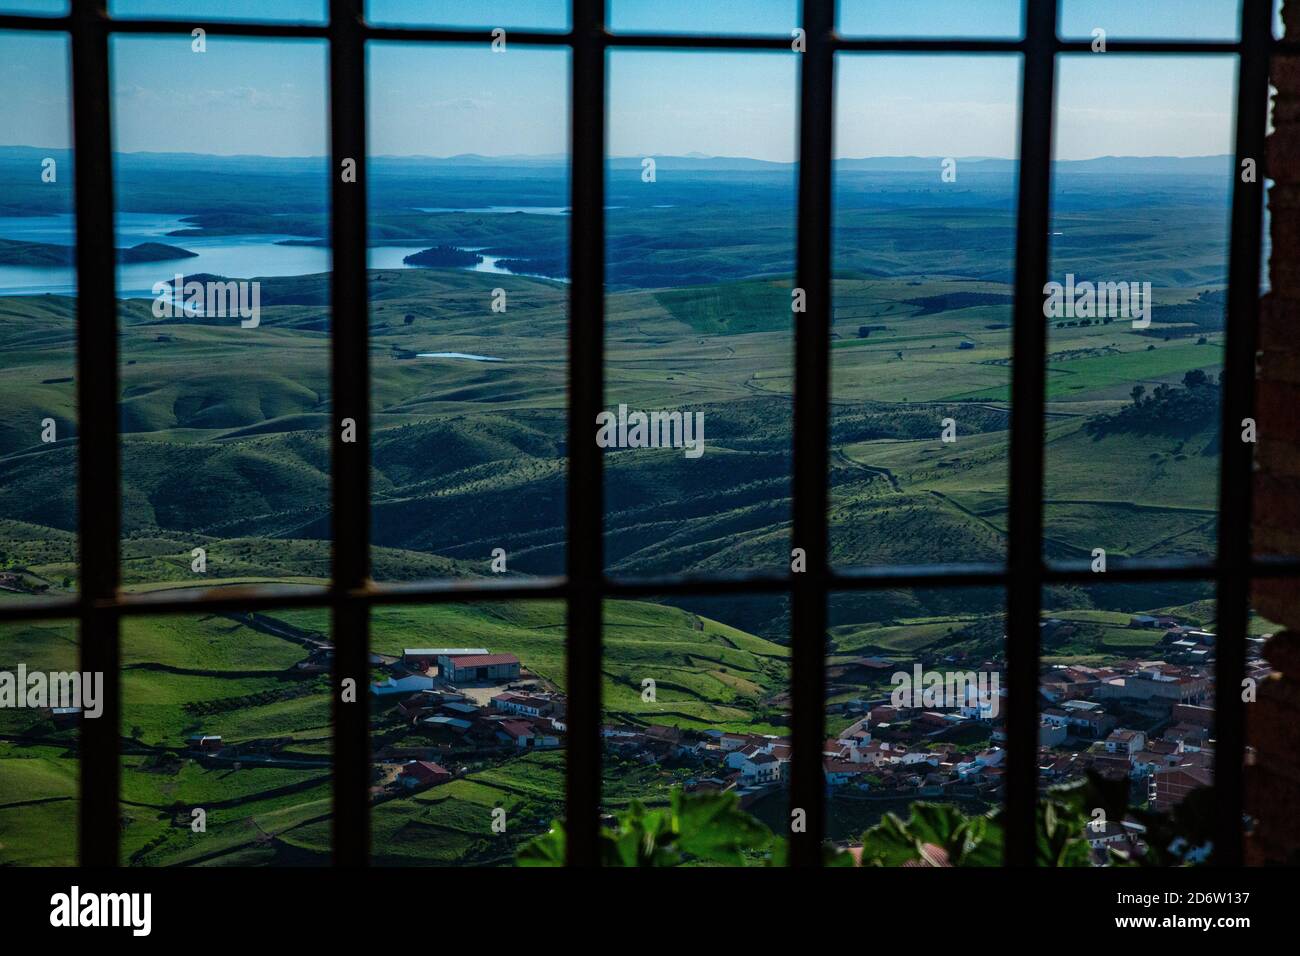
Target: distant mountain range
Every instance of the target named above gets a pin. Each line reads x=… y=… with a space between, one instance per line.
x=1104 y=165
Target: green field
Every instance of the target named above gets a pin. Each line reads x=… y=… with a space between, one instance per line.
x=226 y=446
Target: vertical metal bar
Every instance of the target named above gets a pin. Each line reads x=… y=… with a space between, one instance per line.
x=97 y=397
x=350 y=382
x=1238 y=391
x=811 y=434
x=585 y=555
x=1028 y=396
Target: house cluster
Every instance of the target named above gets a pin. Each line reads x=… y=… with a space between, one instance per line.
x=465 y=702
x=424 y=669
x=523 y=718
x=1087 y=703
x=459 y=665
x=1180 y=643
x=750 y=764
x=1163 y=769
x=1148 y=721
x=904 y=756
x=10 y=581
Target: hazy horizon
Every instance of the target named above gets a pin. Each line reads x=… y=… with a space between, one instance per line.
x=246 y=96
x=563 y=157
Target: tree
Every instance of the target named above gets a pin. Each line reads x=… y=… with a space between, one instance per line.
x=1195 y=378
x=1137 y=393
x=863 y=331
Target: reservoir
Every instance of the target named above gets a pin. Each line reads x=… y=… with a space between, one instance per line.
x=235 y=256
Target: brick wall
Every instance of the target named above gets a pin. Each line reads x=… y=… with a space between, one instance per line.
x=1273 y=721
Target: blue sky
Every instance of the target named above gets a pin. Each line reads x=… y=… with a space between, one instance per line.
x=251 y=96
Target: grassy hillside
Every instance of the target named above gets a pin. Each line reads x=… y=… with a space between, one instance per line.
x=226 y=446
x=228 y=675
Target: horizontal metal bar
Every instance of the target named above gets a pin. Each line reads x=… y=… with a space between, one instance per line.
x=451 y=35
x=235 y=28
x=474 y=589
x=203 y=600
x=697 y=41
x=737 y=583
x=923 y=575
x=701 y=41
x=19 y=21
x=1154 y=47
x=926 y=45
x=41 y=609
x=1080 y=570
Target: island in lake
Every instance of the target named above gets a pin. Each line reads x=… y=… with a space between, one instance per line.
x=14 y=252
x=443 y=256
x=153 y=252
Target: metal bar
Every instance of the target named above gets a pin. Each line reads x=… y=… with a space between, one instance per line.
x=471 y=36
x=270 y=597
x=1236 y=460
x=585 y=554
x=100 y=604
x=689 y=41
x=1028 y=398
x=1152 y=47
x=350 y=383
x=434 y=34
x=855 y=44
x=915 y=44
x=811 y=436
x=99 y=468
x=958 y=45
x=230 y=28
x=20 y=21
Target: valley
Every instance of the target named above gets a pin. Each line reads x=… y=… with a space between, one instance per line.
x=225 y=447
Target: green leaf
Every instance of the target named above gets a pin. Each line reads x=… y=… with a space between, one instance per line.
x=937 y=823
x=984 y=843
x=889 y=843
x=545 y=850
x=711 y=826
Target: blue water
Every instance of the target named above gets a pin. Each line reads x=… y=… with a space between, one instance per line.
x=494 y=210
x=459 y=355
x=236 y=257
x=534 y=210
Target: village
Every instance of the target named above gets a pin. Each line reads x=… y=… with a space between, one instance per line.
x=442 y=712
x=458 y=706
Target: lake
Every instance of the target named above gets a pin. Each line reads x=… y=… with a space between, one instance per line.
x=236 y=257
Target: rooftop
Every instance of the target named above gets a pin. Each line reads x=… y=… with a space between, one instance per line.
x=484 y=660
x=442 y=651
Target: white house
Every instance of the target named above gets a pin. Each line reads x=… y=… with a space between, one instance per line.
x=1125 y=742
x=406 y=685
x=760 y=768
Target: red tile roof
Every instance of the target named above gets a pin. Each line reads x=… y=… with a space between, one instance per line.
x=483 y=660
x=518 y=728
x=424 y=770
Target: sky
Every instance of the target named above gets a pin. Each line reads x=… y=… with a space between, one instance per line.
x=269 y=97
